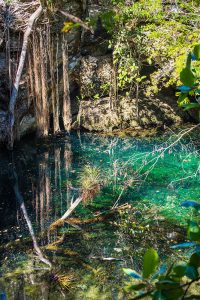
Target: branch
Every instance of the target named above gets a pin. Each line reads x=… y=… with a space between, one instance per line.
x=61 y=221
x=15 y=89
x=77 y=20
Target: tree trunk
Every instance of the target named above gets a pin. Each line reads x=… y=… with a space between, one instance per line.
x=66 y=113
x=45 y=106
x=54 y=98
x=37 y=86
x=15 y=89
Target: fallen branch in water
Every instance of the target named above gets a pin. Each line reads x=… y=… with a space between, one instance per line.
x=103 y=217
x=60 y=222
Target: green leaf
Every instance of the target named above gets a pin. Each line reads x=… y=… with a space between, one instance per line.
x=193 y=231
x=167 y=284
x=158 y=295
x=191 y=105
x=192 y=272
x=132 y=273
x=196 y=51
x=183 y=99
x=137 y=287
x=187 y=77
x=150 y=262
x=180 y=270
x=195 y=259
x=174 y=293
x=189 y=60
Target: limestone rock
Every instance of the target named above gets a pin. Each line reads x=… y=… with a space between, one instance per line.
x=95 y=75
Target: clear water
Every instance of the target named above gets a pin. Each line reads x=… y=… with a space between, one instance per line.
x=48 y=179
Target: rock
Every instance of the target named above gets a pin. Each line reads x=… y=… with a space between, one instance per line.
x=95 y=75
x=97 y=115
x=27 y=125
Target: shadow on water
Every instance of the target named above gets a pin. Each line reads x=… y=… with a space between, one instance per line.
x=38 y=183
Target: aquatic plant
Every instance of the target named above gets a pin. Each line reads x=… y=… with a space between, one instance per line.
x=62 y=280
x=90 y=182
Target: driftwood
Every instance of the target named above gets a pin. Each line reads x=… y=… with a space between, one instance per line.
x=61 y=221
x=15 y=89
x=103 y=217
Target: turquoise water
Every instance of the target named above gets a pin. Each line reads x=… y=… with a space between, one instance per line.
x=140 y=172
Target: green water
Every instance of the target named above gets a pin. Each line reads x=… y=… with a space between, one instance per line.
x=47 y=176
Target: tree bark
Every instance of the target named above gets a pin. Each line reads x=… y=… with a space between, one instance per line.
x=15 y=89
x=54 y=98
x=45 y=108
x=66 y=113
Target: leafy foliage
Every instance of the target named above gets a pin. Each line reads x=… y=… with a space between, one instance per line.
x=189 y=95
x=174 y=282
x=151 y=38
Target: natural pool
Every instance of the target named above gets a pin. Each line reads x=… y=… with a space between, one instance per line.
x=146 y=173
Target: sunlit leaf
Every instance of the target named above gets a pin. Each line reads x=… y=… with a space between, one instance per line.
x=187 y=77
x=193 y=231
x=132 y=273
x=150 y=262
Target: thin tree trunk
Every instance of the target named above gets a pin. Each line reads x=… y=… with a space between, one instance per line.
x=37 y=86
x=54 y=100
x=15 y=89
x=45 y=110
x=66 y=113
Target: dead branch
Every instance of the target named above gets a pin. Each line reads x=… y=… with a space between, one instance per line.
x=61 y=221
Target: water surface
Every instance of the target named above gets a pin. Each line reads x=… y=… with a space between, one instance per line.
x=47 y=176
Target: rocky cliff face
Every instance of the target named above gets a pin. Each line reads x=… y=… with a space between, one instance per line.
x=91 y=77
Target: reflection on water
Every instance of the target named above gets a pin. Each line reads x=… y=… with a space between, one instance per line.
x=47 y=177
